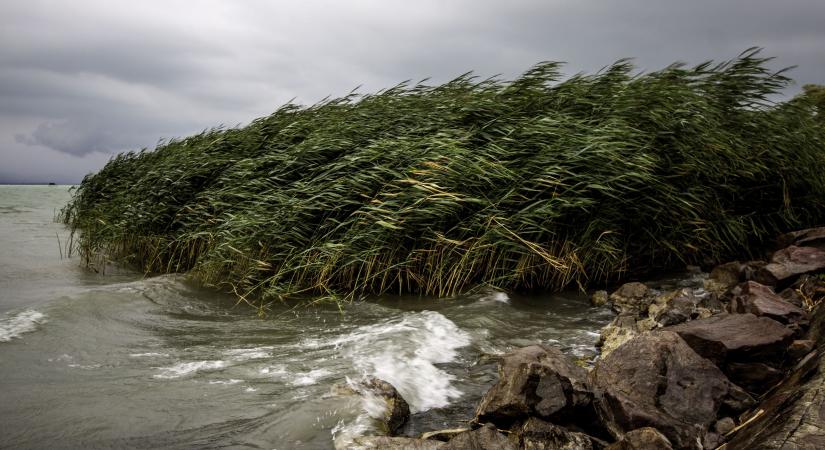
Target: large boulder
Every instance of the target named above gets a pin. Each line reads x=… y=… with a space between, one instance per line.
x=657 y=380
x=761 y=300
x=536 y=434
x=646 y=438
x=749 y=349
x=789 y=263
x=538 y=381
x=484 y=438
x=631 y=298
x=736 y=337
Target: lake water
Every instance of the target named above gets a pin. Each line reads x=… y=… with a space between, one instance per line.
x=117 y=360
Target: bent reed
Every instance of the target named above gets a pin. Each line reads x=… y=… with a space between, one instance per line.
x=538 y=183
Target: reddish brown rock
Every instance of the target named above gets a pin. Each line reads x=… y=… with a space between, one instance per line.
x=737 y=338
x=812 y=237
x=789 y=263
x=657 y=380
x=760 y=300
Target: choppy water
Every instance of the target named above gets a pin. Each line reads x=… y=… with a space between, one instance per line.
x=118 y=361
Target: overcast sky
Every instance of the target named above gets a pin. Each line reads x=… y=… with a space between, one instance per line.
x=81 y=80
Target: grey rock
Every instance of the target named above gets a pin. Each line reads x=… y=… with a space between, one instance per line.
x=538 y=381
x=599 y=298
x=392 y=443
x=397 y=409
x=724 y=425
x=536 y=434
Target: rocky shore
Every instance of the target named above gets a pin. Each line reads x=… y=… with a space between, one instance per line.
x=727 y=360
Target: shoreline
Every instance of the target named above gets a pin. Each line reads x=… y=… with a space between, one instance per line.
x=726 y=360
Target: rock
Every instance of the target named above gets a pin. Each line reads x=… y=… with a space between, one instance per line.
x=800 y=348
x=712 y=440
x=599 y=298
x=484 y=438
x=538 y=381
x=620 y=330
x=393 y=443
x=792 y=296
x=646 y=438
x=397 y=410
x=673 y=307
x=792 y=417
x=443 y=435
x=753 y=376
x=728 y=274
x=724 y=425
x=789 y=263
x=630 y=298
x=737 y=338
x=760 y=300
x=657 y=380
x=536 y=434
x=751 y=268
x=701 y=313
x=812 y=237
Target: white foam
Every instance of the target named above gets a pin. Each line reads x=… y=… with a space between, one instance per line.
x=309 y=378
x=148 y=355
x=229 y=381
x=404 y=352
x=12 y=326
x=245 y=354
x=188 y=368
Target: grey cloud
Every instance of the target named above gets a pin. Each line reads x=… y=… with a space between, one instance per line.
x=96 y=76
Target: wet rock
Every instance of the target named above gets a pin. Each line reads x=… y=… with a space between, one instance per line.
x=646 y=438
x=620 y=330
x=631 y=298
x=789 y=263
x=484 y=438
x=657 y=380
x=724 y=425
x=397 y=410
x=599 y=298
x=393 y=443
x=760 y=300
x=673 y=307
x=736 y=338
x=536 y=434
x=538 y=381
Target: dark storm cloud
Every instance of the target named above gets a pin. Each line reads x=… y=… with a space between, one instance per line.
x=87 y=78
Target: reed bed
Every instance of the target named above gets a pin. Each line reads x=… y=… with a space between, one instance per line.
x=539 y=183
